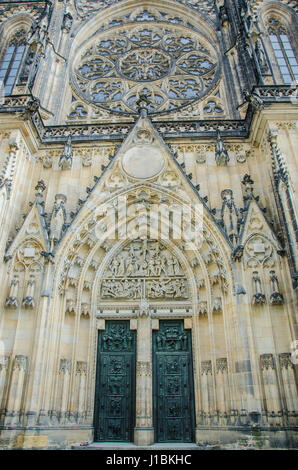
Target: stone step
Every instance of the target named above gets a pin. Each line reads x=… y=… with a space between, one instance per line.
x=154 y=447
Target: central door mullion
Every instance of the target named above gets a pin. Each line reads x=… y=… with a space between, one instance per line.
x=144 y=432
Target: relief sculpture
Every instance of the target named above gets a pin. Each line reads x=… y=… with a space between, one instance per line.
x=144 y=269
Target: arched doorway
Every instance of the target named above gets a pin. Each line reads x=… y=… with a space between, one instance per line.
x=144 y=359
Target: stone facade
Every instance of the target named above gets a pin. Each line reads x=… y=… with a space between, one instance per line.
x=148 y=174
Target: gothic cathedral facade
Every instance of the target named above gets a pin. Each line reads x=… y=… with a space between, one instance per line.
x=148 y=223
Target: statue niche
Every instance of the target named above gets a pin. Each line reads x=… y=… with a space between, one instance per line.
x=144 y=269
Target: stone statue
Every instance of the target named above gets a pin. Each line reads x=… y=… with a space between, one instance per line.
x=221 y=154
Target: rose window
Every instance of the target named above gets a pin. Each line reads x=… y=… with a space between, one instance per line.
x=172 y=67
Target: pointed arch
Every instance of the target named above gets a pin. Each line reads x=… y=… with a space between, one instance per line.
x=280 y=26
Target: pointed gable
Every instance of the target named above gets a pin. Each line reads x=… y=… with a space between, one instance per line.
x=259 y=241
x=32 y=230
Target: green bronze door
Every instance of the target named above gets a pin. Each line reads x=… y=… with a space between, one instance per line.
x=173 y=383
x=115 y=383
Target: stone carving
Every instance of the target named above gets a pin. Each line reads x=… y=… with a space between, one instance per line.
x=20 y=362
x=285 y=361
x=144 y=369
x=258 y=252
x=85 y=309
x=229 y=215
x=167 y=289
x=203 y=310
x=261 y=56
x=144 y=269
x=67 y=22
x=4 y=363
x=178 y=69
x=87 y=7
x=58 y=218
x=12 y=299
x=258 y=297
x=206 y=368
x=8 y=170
x=65 y=366
x=65 y=160
x=217 y=306
x=28 y=300
x=248 y=186
x=276 y=298
x=267 y=361
x=221 y=154
x=70 y=306
x=221 y=365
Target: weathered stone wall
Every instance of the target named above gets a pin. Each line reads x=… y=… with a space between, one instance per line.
x=61 y=180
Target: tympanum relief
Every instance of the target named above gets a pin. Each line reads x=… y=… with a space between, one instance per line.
x=144 y=269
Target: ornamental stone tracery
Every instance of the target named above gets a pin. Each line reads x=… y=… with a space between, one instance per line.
x=87 y=7
x=172 y=66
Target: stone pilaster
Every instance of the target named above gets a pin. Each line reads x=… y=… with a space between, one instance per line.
x=222 y=390
x=16 y=389
x=271 y=392
x=289 y=385
x=206 y=388
x=81 y=373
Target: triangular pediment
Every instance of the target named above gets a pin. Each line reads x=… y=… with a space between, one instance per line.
x=144 y=157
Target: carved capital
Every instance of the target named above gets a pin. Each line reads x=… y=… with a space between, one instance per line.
x=20 y=362
x=206 y=368
x=144 y=369
x=285 y=361
x=267 y=361
x=81 y=368
x=221 y=365
x=4 y=362
x=65 y=366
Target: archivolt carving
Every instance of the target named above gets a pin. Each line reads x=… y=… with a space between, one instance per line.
x=145 y=268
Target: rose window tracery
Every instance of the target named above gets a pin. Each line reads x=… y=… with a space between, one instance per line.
x=172 y=67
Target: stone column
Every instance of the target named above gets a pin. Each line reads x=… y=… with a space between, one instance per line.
x=36 y=405
x=290 y=389
x=4 y=367
x=144 y=432
x=206 y=387
x=64 y=373
x=222 y=389
x=6 y=184
x=16 y=388
x=271 y=389
x=81 y=376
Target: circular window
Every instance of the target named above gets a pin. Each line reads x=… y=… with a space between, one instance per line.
x=172 y=66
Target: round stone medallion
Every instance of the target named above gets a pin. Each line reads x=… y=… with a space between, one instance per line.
x=143 y=161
